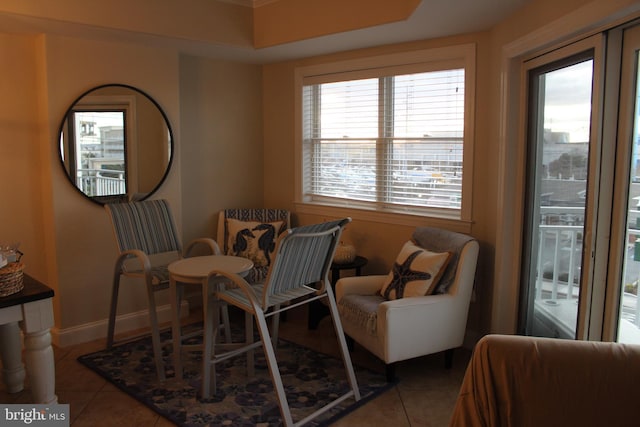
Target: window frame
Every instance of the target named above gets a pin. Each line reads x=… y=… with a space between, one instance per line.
x=125 y=104
x=458 y=56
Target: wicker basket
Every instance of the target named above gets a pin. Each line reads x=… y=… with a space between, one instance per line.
x=345 y=254
x=11 y=279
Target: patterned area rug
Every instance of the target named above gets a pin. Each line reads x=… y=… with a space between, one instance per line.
x=310 y=379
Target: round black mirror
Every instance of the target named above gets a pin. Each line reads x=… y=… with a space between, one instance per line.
x=116 y=144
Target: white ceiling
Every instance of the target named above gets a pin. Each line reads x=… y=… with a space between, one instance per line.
x=432 y=19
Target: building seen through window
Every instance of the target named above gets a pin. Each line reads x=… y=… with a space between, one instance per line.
x=99 y=151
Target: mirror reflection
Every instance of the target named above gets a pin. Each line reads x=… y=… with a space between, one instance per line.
x=115 y=144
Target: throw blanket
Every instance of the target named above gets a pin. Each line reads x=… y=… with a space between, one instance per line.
x=523 y=381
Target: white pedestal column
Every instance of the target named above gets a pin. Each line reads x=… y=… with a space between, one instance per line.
x=11 y=355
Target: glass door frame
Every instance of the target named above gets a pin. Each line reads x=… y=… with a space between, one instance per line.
x=594 y=44
x=619 y=128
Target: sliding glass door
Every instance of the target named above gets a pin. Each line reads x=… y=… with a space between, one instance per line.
x=627 y=192
x=559 y=141
x=581 y=251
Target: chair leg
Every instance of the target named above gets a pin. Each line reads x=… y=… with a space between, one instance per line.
x=275 y=326
x=273 y=369
x=176 y=294
x=344 y=350
x=248 y=331
x=448 y=358
x=224 y=314
x=211 y=323
x=155 y=332
x=224 y=309
x=113 y=309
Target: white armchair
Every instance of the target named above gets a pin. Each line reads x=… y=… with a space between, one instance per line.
x=413 y=326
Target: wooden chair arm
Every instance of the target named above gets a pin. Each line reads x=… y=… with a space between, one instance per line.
x=206 y=241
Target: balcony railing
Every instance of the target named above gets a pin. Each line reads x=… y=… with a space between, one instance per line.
x=629 y=308
x=559 y=252
x=100 y=182
x=559 y=262
x=559 y=268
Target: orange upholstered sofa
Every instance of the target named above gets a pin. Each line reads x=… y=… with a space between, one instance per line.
x=524 y=381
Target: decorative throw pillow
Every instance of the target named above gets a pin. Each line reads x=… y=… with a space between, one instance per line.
x=253 y=240
x=415 y=273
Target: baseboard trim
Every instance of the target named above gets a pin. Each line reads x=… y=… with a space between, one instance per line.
x=125 y=323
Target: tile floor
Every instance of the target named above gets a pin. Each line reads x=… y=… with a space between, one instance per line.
x=424 y=396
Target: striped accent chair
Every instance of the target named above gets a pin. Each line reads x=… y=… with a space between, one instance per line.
x=143 y=231
x=297 y=275
x=260 y=215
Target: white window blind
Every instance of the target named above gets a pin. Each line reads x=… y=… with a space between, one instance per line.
x=389 y=142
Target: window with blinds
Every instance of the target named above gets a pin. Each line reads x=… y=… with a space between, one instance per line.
x=392 y=142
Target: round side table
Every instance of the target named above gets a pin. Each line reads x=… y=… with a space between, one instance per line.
x=356 y=265
x=196 y=270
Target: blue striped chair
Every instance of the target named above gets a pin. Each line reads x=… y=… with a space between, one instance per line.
x=298 y=274
x=144 y=230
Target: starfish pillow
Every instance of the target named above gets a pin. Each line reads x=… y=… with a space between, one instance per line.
x=415 y=273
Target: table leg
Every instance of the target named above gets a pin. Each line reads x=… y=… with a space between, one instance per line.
x=211 y=322
x=37 y=320
x=335 y=276
x=38 y=356
x=11 y=356
x=175 y=328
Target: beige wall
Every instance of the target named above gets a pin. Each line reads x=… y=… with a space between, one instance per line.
x=22 y=215
x=67 y=239
x=82 y=239
x=222 y=150
x=233 y=125
x=380 y=242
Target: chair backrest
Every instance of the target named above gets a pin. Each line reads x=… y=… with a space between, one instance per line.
x=441 y=240
x=263 y=215
x=147 y=226
x=303 y=257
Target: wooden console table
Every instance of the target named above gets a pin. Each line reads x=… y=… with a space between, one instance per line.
x=31 y=310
